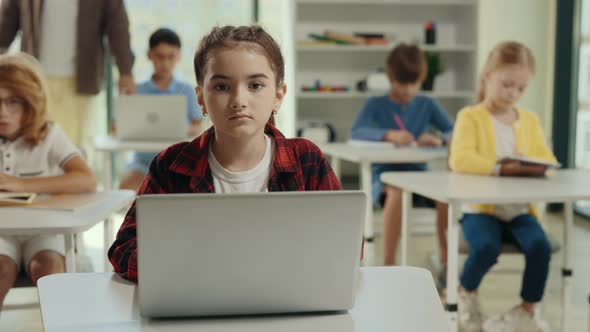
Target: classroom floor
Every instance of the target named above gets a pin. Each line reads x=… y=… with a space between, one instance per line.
x=499 y=290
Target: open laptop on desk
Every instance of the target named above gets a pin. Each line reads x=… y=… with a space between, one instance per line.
x=151 y=118
x=260 y=253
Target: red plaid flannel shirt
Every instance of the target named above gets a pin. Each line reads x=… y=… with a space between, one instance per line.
x=299 y=165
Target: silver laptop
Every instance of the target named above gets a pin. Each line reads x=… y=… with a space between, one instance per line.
x=151 y=118
x=240 y=254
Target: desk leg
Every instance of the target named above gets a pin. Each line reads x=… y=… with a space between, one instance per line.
x=108 y=223
x=567 y=270
x=70 y=245
x=108 y=240
x=107 y=171
x=335 y=163
x=452 y=270
x=366 y=185
x=369 y=233
x=406 y=197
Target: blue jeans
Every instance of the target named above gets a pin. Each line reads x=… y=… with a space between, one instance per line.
x=141 y=162
x=485 y=234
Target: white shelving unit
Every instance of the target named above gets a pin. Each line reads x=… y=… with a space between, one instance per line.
x=382 y=48
x=347 y=64
x=364 y=95
x=397 y=2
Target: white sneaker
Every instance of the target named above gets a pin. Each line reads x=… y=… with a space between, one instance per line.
x=470 y=316
x=515 y=320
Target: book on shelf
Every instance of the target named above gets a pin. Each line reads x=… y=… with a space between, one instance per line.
x=345 y=37
x=374 y=38
x=325 y=39
x=341 y=38
x=312 y=42
x=370 y=35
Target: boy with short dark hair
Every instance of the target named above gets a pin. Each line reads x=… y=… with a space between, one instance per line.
x=164 y=53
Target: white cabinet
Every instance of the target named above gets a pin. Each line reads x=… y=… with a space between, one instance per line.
x=404 y=20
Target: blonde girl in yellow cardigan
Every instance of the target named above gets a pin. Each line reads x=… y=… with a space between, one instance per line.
x=484 y=134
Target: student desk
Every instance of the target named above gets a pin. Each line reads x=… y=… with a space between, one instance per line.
x=371 y=153
x=36 y=221
x=109 y=145
x=388 y=299
x=564 y=186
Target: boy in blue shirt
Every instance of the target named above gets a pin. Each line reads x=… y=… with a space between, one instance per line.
x=402 y=118
x=164 y=53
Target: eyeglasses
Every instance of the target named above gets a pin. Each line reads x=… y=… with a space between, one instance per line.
x=12 y=104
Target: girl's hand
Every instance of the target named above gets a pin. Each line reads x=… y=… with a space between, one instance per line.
x=429 y=140
x=10 y=183
x=399 y=137
x=515 y=168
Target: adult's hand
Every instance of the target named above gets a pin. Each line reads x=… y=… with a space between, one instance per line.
x=126 y=85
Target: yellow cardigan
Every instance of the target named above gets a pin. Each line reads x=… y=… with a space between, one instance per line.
x=473 y=147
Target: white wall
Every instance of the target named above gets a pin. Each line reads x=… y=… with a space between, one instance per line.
x=277 y=18
x=531 y=22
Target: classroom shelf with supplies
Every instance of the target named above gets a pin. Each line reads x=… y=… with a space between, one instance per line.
x=341 y=46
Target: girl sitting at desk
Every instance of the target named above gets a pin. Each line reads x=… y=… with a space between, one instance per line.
x=35 y=156
x=486 y=133
x=240 y=86
x=403 y=117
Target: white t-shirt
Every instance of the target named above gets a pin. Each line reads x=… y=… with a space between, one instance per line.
x=505 y=147
x=57 y=52
x=252 y=180
x=21 y=159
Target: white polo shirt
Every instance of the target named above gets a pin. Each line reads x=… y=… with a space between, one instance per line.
x=21 y=159
x=505 y=147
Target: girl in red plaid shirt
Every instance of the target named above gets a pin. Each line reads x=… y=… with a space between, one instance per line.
x=240 y=87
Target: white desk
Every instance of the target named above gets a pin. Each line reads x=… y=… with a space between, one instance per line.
x=34 y=221
x=109 y=145
x=368 y=155
x=388 y=299
x=565 y=186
